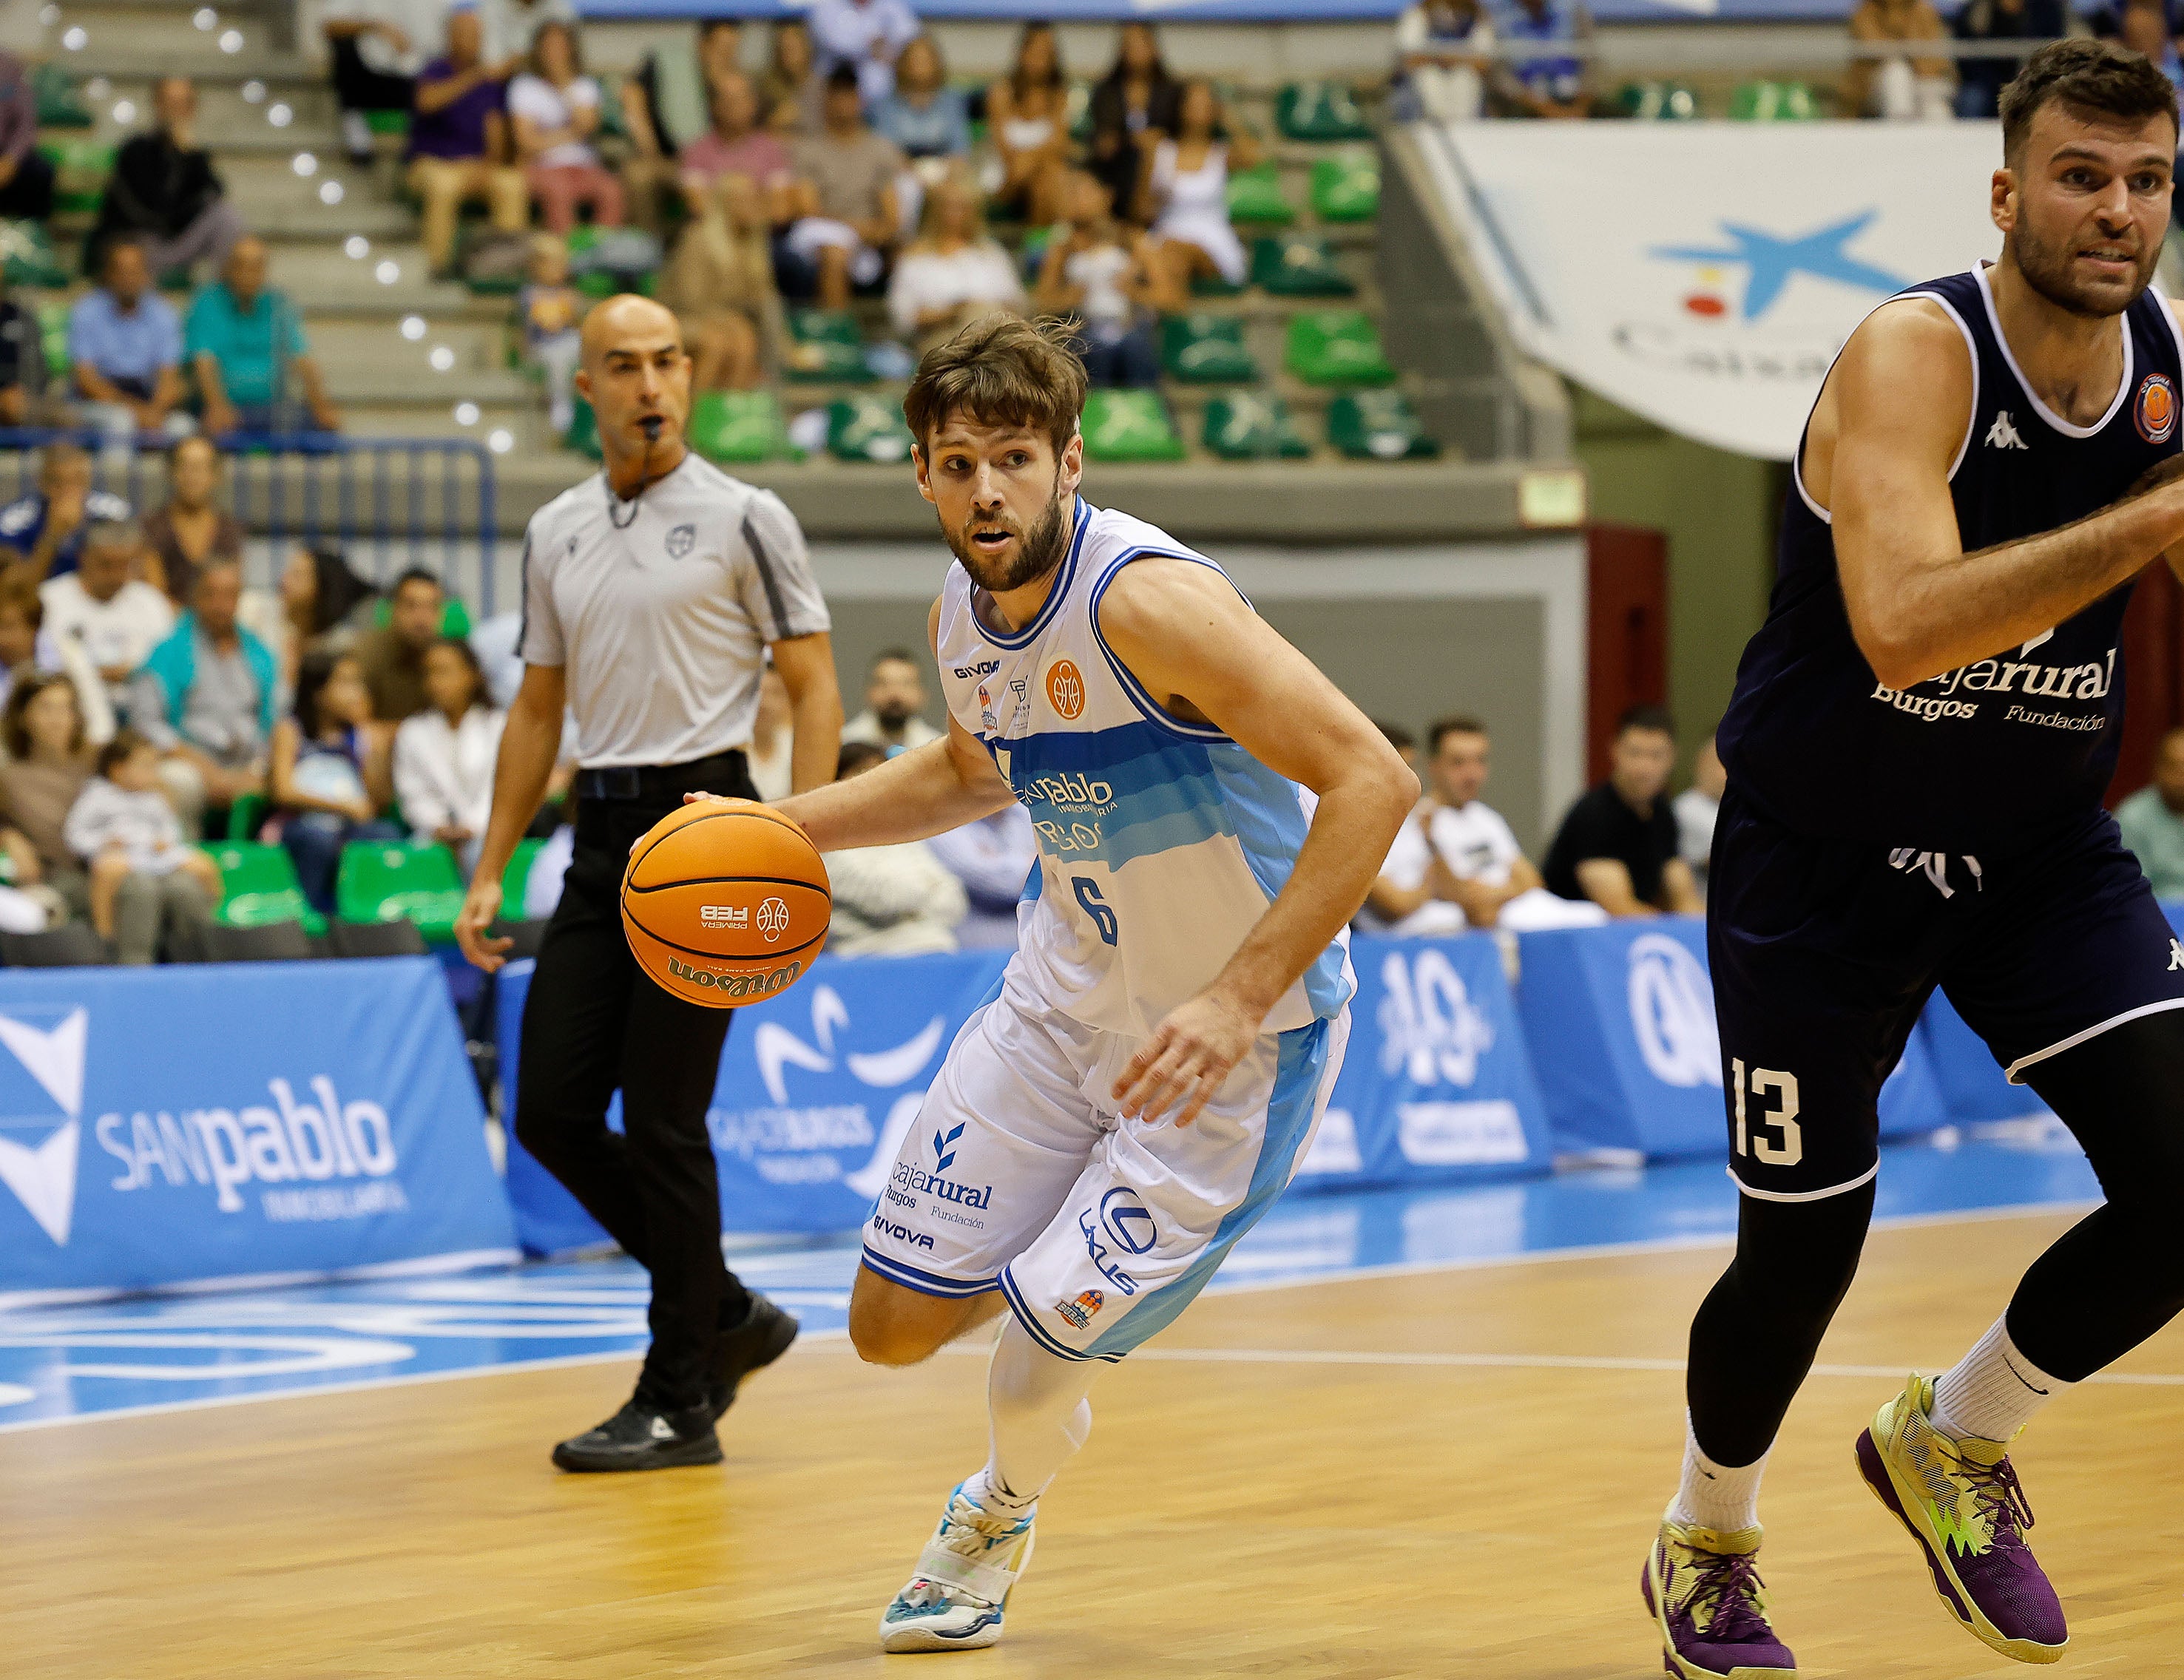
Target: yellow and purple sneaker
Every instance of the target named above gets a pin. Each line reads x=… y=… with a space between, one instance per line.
x=1961 y=1501
x=1703 y=1589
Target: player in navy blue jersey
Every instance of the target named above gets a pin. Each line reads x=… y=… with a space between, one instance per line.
x=1917 y=750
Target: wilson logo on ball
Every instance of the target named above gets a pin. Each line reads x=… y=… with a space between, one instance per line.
x=772 y=919
x=737 y=984
x=1065 y=689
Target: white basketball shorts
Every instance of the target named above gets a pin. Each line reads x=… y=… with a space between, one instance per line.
x=1020 y=1176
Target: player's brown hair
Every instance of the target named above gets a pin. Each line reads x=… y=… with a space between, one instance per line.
x=999 y=370
x=2091 y=78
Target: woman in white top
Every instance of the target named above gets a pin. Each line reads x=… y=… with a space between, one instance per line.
x=443 y=756
x=555 y=110
x=953 y=273
x=1027 y=113
x=1186 y=193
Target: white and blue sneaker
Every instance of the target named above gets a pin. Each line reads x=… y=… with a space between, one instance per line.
x=956 y=1599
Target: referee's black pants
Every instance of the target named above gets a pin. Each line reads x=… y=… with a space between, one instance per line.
x=593 y=1023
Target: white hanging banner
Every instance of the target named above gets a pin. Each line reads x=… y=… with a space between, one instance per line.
x=1704 y=274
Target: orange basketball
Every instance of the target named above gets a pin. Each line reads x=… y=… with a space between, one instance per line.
x=725 y=901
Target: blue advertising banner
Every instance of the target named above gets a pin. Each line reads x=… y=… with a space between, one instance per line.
x=1437 y=1085
x=1233 y=11
x=177 y=1125
x=817 y=1088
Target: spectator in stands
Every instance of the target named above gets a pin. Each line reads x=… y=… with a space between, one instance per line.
x=1980 y=81
x=1110 y=278
x=164 y=192
x=894 y=717
x=125 y=351
x=205 y=699
x=46 y=765
x=27 y=651
x=245 y=342
x=46 y=529
x=512 y=26
x=924 y=116
x=104 y=608
x=2144 y=27
x=864 y=35
x=547 y=310
x=330 y=772
x=1444 y=54
x=846 y=214
x=771 y=738
x=1028 y=116
x=720 y=283
x=735 y=149
x=667 y=104
x=1545 y=83
x=324 y=604
x=144 y=881
x=789 y=88
x=378 y=47
x=457 y=141
x=443 y=756
x=190 y=527
x=1132 y=105
x=392 y=657
x=1185 y=195
x=1617 y=844
x=26 y=178
x=889 y=900
x=1696 y=807
x=22 y=360
x=954 y=272
x=2153 y=820
x=992 y=858
x=1897 y=88
x=554 y=109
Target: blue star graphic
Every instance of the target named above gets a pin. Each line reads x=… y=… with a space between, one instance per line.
x=1772 y=259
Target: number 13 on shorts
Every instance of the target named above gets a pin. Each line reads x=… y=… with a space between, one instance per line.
x=1762 y=1083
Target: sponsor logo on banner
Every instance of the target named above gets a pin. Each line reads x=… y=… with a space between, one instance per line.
x=1672 y=1012
x=1460 y=1134
x=38 y=1152
x=1429 y=1028
x=2155 y=409
x=1081 y=1311
x=1065 y=690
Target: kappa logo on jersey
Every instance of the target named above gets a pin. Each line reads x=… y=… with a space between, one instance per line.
x=2175 y=955
x=724 y=915
x=1081 y=1311
x=2155 y=410
x=2003 y=434
x=1065 y=690
x=680 y=541
x=772 y=919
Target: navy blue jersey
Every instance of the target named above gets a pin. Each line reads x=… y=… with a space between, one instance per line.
x=1990 y=756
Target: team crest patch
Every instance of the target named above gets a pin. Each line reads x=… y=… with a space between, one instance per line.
x=684 y=538
x=2155 y=410
x=1065 y=689
x=1080 y=1311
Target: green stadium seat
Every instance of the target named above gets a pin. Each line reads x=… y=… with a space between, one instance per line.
x=1320 y=111
x=1252 y=426
x=1129 y=425
x=516 y=877
x=1346 y=187
x=52 y=336
x=824 y=345
x=1337 y=347
x=1298 y=265
x=257 y=886
x=27 y=257
x=59 y=105
x=1206 y=349
x=1659 y=102
x=738 y=426
x=412 y=880
x=866 y=428
x=1771 y=101
x=583 y=433
x=396 y=123
x=247 y=815
x=80 y=169
x=1255 y=195
x=1212 y=285
x=1377 y=425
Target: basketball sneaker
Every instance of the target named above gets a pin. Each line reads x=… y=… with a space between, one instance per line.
x=955 y=1600
x=1962 y=1503
x=642 y=1436
x=1703 y=1589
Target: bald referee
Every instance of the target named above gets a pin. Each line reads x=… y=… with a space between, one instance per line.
x=652 y=594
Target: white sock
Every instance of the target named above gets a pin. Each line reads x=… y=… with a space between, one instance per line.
x=1716 y=1495
x=1039 y=1416
x=1992 y=1391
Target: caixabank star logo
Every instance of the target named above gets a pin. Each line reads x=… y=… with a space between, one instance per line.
x=40 y=1111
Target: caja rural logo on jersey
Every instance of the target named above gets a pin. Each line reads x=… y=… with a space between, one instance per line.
x=2154 y=411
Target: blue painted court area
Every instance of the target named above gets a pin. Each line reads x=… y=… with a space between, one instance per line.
x=65 y=1365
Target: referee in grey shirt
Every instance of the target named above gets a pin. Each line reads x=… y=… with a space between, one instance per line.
x=652 y=594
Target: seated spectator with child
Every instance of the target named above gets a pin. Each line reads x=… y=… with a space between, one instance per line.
x=458 y=139
x=1618 y=846
x=47 y=761
x=444 y=755
x=47 y=528
x=246 y=344
x=329 y=773
x=205 y=699
x=106 y=609
x=889 y=900
x=144 y=881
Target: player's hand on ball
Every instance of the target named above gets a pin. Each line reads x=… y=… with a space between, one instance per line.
x=1185 y=1062
x=481 y=908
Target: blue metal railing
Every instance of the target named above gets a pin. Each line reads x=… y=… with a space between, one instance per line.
x=387 y=502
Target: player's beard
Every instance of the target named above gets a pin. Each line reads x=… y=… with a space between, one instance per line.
x=2047 y=270
x=1038 y=550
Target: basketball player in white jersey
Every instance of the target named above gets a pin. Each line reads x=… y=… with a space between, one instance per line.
x=1148 y=1072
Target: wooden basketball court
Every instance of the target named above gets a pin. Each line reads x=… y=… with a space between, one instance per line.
x=1446 y=1474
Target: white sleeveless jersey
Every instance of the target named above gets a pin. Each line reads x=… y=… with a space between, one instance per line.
x=1160 y=842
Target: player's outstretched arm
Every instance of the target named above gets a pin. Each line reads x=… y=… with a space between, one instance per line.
x=529 y=744
x=1190 y=638
x=1889 y=428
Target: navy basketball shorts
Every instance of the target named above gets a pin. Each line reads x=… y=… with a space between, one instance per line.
x=1824 y=953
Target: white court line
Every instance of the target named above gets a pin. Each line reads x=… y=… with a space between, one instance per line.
x=1398 y=1269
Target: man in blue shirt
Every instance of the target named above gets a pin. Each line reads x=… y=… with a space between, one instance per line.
x=125 y=350
x=243 y=341
x=1539 y=82
x=46 y=529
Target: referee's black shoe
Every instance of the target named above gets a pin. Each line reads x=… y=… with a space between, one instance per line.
x=755 y=1341
x=643 y=1437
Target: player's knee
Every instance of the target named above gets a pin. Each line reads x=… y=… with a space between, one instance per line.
x=882 y=1340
